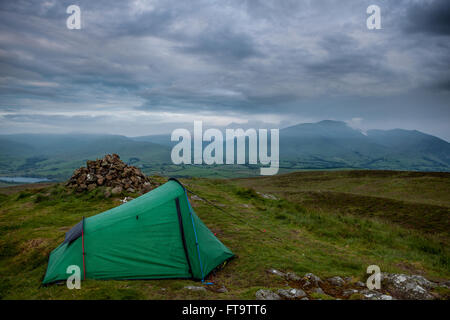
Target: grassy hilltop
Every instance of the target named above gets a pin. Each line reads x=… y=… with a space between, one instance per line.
x=328 y=223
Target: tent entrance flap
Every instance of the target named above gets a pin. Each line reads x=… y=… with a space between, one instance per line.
x=74 y=233
x=180 y=222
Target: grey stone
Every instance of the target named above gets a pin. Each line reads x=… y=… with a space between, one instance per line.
x=276 y=272
x=266 y=295
x=375 y=295
x=312 y=278
x=336 y=281
x=348 y=293
x=194 y=288
x=318 y=290
x=222 y=289
x=360 y=284
x=116 y=190
x=410 y=287
x=196 y=198
x=267 y=196
x=292 y=277
x=291 y=293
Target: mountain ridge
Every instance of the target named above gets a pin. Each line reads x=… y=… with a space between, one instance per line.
x=327 y=144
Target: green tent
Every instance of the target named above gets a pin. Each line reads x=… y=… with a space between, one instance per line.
x=155 y=236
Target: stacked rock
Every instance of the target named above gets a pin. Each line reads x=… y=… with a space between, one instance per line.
x=110 y=172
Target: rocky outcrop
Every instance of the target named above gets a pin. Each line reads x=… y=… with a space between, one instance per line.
x=393 y=287
x=110 y=172
x=276 y=272
x=375 y=295
x=291 y=293
x=408 y=287
x=266 y=295
x=336 y=281
x=312 y=280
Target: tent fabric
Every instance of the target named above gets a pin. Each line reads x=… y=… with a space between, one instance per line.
x=155 y=236
x=74 y=233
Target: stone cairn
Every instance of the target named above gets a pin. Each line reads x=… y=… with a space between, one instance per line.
x=112 y=173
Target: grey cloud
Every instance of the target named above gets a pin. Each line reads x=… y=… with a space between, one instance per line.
x=296 y=59
x=53 y=119
x=223 y=45
x=429 y=17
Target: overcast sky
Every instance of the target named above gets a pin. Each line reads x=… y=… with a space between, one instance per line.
x=147 y=67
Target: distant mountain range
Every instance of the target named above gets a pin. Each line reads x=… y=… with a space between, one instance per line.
x=333 y=144
x=56 y=156
x=322 y=145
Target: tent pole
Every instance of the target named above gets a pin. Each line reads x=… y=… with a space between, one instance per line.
x=82 y=245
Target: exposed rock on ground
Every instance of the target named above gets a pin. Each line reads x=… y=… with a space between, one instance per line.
x=349 y=292
x=312 y=280
x=318 y=290
x=110 y=172
x=195 y=197
x=266 y=295
x=360 y=284
x=408 y=287
x=291 y=293
x=375 y=295
x=222 y=289
x=267 y=196
x=393 y=287
x=290 y=276
x=276 y=272
x=194 y=288
x=337 y=281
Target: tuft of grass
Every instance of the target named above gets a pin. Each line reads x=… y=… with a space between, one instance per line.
x=23 y=195
x=356 y=296
x=443 y=292
x=321 y=296
x=247 y=193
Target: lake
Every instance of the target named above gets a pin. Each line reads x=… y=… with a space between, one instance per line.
x=23 y=179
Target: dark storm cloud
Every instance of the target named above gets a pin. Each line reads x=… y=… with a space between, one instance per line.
x=429 y=17
x=344 y=57
x=443 y=85
x=223 y=45
x=286 y=60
